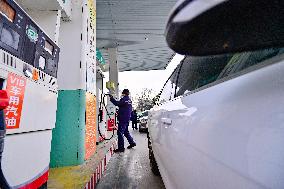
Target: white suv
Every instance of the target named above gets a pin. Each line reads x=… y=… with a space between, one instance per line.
x=220 y=120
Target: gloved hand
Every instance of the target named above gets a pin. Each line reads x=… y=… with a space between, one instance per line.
x=110 y=96
x=4 y=99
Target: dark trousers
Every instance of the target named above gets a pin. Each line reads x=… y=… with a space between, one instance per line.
x=123 y=130
x=134 y=125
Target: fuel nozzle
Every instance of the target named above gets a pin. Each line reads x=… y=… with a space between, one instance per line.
x=109 y=95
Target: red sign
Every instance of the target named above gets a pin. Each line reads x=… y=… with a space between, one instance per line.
x=16 y=90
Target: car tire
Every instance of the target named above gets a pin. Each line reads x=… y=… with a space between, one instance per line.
x=153 y=163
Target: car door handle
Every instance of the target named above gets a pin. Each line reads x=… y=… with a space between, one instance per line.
x=166 y=121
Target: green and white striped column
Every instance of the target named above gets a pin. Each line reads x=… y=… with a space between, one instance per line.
x=75 y=79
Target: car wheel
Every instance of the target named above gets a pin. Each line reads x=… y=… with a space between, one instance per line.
x=153 y=163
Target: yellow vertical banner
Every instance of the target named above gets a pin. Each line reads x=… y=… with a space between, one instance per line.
x=92 y=12
x=90 y=142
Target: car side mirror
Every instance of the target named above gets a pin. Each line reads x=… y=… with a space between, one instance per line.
x=199 y=27
x=4 y=100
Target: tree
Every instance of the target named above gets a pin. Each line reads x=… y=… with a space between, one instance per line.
x=144 y=101
x=156 y=99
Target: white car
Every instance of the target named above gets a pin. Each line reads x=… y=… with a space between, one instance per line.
x=219 y=123
x=143 y=120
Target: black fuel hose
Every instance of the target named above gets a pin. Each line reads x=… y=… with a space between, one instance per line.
x=102 y=103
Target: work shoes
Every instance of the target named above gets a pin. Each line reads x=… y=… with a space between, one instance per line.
x=131 y=146
x=122 y=150
x=118 y=150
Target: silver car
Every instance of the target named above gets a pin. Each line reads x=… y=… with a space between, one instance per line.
x=143 y=121
x=219 y=122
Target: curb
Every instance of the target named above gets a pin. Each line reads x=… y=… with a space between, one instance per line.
x=100 y=170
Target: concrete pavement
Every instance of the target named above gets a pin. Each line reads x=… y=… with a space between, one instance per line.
x=131 y=169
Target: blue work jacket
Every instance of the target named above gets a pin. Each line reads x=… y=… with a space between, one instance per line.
x=125 y=108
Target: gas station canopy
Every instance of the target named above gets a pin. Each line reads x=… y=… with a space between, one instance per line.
x=50 y=5
x=136 y=29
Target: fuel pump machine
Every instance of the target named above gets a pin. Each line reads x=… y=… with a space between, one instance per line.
x=111 y=109
x=101 y=123
x=28 y=72
x=107 y=120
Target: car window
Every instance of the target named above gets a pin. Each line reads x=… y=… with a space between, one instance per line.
x=168 y=91
x=196 y=72
x=241 y=61
x=199 y=71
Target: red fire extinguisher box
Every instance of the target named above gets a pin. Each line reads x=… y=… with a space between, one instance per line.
x=110 y=124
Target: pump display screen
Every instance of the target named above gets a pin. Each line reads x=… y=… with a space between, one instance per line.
x=48 y=47
x=7 y=10
x=10 y=37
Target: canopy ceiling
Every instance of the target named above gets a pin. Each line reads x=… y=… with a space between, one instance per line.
x=136 y=29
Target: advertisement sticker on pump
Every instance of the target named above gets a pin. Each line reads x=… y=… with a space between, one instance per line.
x=16 y=90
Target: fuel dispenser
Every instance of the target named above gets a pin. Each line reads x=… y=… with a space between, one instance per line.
x=111 y=109
x=107 y=119
x=28 y=73
x=101 y=117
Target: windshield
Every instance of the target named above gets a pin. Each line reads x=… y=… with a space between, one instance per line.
x=145 y=113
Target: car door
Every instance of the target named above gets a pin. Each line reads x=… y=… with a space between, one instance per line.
x=226 y=130
x=156 y=127
x=176 y=116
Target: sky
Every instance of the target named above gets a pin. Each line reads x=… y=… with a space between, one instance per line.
x=136 y=81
